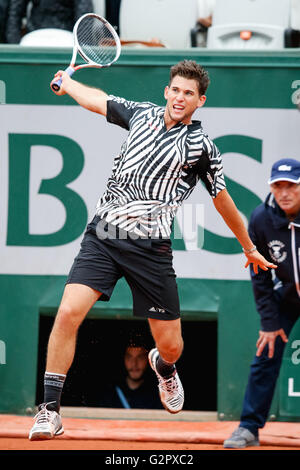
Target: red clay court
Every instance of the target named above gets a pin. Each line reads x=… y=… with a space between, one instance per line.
x=135 y=430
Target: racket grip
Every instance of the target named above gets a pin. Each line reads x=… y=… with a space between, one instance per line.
x=56 y=85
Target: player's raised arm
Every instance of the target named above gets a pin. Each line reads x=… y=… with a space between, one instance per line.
x=98 y=44
x=90 y=98
x=228 y=210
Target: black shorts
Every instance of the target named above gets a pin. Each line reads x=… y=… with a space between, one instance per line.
x=145 y=263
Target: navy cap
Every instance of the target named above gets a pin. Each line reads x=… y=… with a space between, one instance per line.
x=286 y=169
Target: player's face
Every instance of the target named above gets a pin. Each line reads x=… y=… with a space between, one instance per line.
x=183 y=99
x=287 y=196
x=135 y=362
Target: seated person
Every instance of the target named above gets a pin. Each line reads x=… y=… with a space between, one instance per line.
x=3 y=18
x=134 y=389
x=40 y=14
x=204 y=20
x=205 y=12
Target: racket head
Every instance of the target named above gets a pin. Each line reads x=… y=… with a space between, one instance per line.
x=96 y=40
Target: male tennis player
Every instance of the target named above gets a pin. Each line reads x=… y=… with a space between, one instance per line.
x=164 y=156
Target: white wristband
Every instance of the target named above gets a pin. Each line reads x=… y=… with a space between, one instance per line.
x=247 y=252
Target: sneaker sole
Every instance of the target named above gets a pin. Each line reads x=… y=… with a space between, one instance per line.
x=173 y=412
x=42 y=436
x=170 y=411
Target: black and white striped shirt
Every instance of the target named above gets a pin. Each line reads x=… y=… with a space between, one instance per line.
x=156 y=169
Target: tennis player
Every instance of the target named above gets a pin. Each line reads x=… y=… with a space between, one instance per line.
x=164 y=156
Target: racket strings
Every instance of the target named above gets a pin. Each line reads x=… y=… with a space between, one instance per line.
x=96 y=41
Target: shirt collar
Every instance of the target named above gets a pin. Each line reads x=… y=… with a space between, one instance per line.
x=194 y=124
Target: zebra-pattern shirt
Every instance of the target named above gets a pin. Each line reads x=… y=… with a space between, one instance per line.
x=156 y=169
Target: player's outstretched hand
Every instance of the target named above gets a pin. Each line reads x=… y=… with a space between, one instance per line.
x=65 y=77
x=258 y=260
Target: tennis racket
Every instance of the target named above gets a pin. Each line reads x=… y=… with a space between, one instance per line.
x=96 y=41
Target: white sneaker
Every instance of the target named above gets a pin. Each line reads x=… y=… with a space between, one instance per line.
x=241 y=438
x=170 y=390
x=48 y=424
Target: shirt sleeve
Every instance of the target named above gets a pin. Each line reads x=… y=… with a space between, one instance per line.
x=120 y=111
x=262 y=283
x=210 y=168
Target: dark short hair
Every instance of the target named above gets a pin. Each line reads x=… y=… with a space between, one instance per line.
x=136 y=340
x=193 y=71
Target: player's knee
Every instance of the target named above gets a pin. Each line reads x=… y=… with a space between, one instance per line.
x=176 y=351
x=171 y=349
x=67 y=317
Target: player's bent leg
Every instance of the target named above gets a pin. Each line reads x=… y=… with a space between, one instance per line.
x=76 y=302
x=168 y=339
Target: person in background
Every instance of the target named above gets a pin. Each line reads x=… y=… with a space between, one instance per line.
x=41 y=14
x=204 y=20
x=134 y=389
x=275 y=229
x=205 y=12
x=295 y=22
x=3 y=18
x=112 y=13
x=295 y=14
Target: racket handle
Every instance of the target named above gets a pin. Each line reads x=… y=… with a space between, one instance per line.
x=56 y=85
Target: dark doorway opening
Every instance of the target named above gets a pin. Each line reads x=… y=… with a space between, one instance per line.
x=99 y=359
